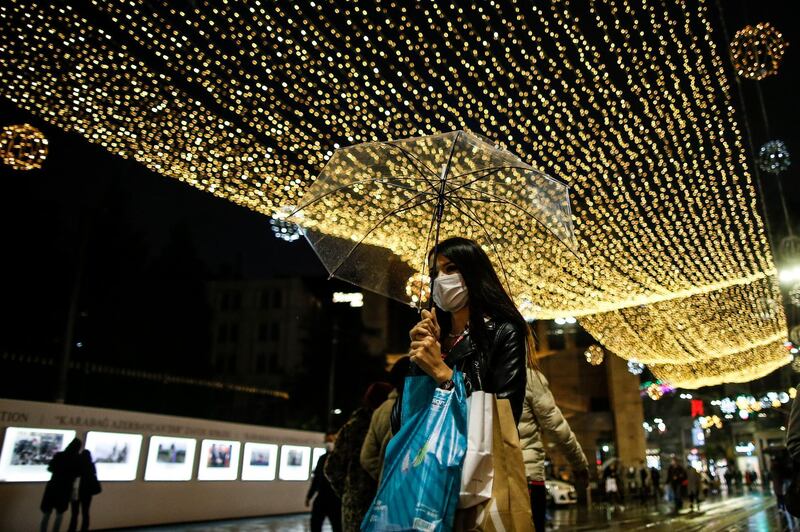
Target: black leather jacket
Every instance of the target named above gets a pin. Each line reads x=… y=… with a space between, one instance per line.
x=499 y=369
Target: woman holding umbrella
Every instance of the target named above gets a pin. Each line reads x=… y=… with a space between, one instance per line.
x=474 y=328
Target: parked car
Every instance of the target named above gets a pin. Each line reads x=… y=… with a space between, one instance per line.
x=560 y=492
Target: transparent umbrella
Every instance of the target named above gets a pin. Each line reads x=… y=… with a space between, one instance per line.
x=378 y=208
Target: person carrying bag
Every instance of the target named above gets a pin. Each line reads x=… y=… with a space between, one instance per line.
x=422 y=470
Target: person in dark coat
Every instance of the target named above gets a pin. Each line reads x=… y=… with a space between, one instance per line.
x=348 y=478
x=326 y=502
x=676 y=475
x=88 y=487
x=57 y=494
x=655 y=482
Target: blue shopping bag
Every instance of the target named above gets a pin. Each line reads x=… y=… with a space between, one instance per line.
x=422 y=468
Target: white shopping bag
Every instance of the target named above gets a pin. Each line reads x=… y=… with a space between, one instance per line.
x=478 y=471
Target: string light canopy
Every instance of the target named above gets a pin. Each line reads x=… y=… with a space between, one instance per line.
x=23 y=147
x=757 y=51
x=628 y=102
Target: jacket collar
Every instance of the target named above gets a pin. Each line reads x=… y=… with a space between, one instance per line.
x=462 y=349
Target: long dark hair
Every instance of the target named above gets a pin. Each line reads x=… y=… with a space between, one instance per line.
x=487 y=297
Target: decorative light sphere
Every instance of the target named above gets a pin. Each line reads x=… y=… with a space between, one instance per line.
x=418 y=289
x=757 y=51
x=594 y=355
x=654 y=392
x=773 y=157
x=23 y=147
x=794 y=334
x=794 y=298
x=283 y=228
x=790 y=249
x=635 y=367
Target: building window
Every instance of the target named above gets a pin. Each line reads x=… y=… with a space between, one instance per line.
x=236 y=300
x=222 y=333
x=225 y=302
x=276 y=331
x=277 y=300
x=233 y=333
x=261 y=363
x=264 y=299
x=262 y=332
x=220 y=364
x=232 y=363
x=273 y=361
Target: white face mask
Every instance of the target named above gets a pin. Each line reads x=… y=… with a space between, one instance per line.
x=449 y=292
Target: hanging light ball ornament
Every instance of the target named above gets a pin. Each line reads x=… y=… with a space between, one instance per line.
x=794 y=298
x=757 y=51
x=655 y=392
x=418 y=289
x=773 y=157
x=635 y=367
x=794 y=334
x=594 y=355
x=790 y=248
x=283 y=228
x=23 y=147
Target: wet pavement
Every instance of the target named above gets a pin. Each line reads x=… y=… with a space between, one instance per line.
x=751 y=512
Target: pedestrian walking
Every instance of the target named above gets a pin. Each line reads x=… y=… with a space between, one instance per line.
x=644 y=482
x=58 y=492
x=676 y=475
x=655 y=483
x=326 y=502
x=88 y=486
x=780 y=467
x=693 y=486
x=475 y=328
x=542 y=417
x=379 y=433
x=351 y=482
x=611 y=483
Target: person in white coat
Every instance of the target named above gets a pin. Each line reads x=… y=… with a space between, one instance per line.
x=541 y=416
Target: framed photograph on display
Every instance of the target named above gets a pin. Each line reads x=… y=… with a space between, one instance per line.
x=170 y=458
x=115 y=455
x=315 y=456
x=219 y=460
x=27 y=452
x=295 y=462
x=260 y=461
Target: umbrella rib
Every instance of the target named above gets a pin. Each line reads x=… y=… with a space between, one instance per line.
x=354 y=183
x=512 y=167
x=415 y=161
x=485 y=232
x=400 y=208
x=518 y=207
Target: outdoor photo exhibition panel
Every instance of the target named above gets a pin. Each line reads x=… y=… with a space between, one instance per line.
x=219 y=460
x=115 y=454
x=170 y=458
x=316 y=455
x=260 y=461
x=27 y=452
x=295 y=462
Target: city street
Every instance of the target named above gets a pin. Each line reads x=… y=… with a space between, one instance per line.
x=753 y=512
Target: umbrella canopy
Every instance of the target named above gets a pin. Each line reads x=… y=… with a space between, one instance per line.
x=377 y=209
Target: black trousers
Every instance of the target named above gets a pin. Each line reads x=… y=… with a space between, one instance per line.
x=538 y=494
x=84 y=505
x=322 y=509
